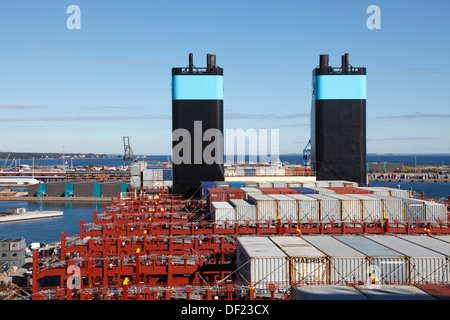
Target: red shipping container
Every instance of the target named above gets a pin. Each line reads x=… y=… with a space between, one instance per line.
x=287 y=191
x=234 y=193
x=269 y=190
x=359 y=191
x=341 y=190
x=215 y=195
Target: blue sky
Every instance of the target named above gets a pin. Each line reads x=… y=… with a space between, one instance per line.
x=82 y=90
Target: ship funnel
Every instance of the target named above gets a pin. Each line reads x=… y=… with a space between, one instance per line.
x=345 y=63
x=323 y=61
x=191 y=62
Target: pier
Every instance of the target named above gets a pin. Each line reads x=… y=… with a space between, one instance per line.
x=30 y=216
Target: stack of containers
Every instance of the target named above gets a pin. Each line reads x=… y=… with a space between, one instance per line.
x=372 y=208
x=234 y=193
x=269 y=190
x=249 y=171
x=435 y=244
x=307 y=265
x=322 y=184
x=425 y=265
x=350 y=207
x=266 y=207
x=240 y=171
x=287 y=190
x=377 y=191
x=260 y=171
x=309 y=184
x=389 y=266
x=392 y=206
x=265 y=184
x=250 y=184
x=271 y=171
x=287 y=208
x=260 y=262
x=244 y=210
x=222 y=184
x=396 y=192
x=435 y=211
x=215 y=195
x=329 y=208
x=308 y=207
x=322 y=190
x=136 y=174
x=294 y=184
x=221 y=212
x=279 y=184
x=153 y=177
x=236 y=184
x=250 y=191
x=347 y=265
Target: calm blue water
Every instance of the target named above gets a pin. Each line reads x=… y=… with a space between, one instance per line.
x=431 y=159
x=431 y=189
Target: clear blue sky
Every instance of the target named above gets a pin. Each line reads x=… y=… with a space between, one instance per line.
x=82 y=90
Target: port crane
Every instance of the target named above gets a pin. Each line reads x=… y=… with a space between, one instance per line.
x=307 y=154
x=128 y=152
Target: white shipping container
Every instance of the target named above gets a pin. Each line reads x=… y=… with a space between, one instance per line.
x=377 y=191
x=372 y=208
x=260 y=171
x=307 y=264
x=244 y=210
x=271 y=171
x=425 y=265
x=280 y=171
x=223 y=211
x=260 y=262
x=435 y=211
x=350 y=207
x=135 y=181
x=322 y=190
x=293 y=184
x=265 y=184
x=347 y=265
x=322 y=184
x=287 y=208
x=308 y=184
x=266 y=207
x=250 y=191
x=279 y=184
x=329 y=208
x=307 y=206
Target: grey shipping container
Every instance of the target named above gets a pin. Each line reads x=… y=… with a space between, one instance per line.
x=329 y=208
x=308 y=207
x=392 y=206
x=347 y=265
x=307 y=264
x=326 y=292
x=389 y=266
x=251 y=191
x=260 y=262
x=425 y=265
x=244 y=210
x=287 y=208
x=432 y=243
x=414 y=209
x=266 y=207
x=351 y=208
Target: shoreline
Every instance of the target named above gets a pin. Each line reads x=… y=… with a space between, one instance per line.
x=56 y=199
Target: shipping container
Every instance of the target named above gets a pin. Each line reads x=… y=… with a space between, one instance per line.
x=221 y=212
x=271 y=171
x=329 y=208
x=432 y=243
x=372 y=208
x=308 y=207
x=425 y=265
x=414 y=209
x=260 y=262
x=245 y=211
x=250 y=184
x=435 y=211
x=287 y=190
x=307 y=264
x=399 y=193
x=280 y=171
x=439 y=292
x=153 y=175
x=266 y=207
x=265 y=184
x=215 y=195
x=326 y=292
x=323 y=190
x=205 y=185
x=249 y=171
x=336 y=184
x=251 y=191
x=240 y=171
x=287 y=208
x=234 y=193
x=445 y=238
x=392 y=206
x=389 y=266
x=260 y=171
x=269 y=190
x=167 y=174
x=322 y=184
x=221 y=184
x=294 y=184
x=303 y=190
x=309 y=185
x=351 y=208
x=395 y=292
x=236 y=184
x=347 y=265
x=279 y=184
x=135 y=182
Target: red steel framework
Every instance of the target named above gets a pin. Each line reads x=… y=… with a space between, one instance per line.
x=161 y=247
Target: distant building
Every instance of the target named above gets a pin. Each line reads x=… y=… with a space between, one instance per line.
x=384 y=166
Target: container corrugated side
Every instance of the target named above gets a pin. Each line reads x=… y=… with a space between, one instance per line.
x=287 y=190
x=269 y=190
x=392 y=206
x=234 y=193
x=307 y=264
x=389 y=266
x=287 y=208
x=435 y=211
x=347 y=265
x=378 y=191
x=323 y=190
x=294 y=184
x=260 y=262
x=308 y=207
x=350 y=207
x=244 y=210
x=266 y=207
x=303 y=190
x=223 y=211
x=265 y=184
x=414 y=209
x=329 y=208
x=425 y=265
x=432 y=243
x=372 y=208
x=279 y=184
